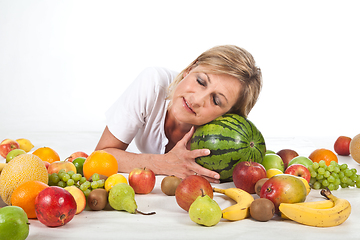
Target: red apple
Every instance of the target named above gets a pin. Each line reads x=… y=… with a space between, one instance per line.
x=287 y=155
x=246 y=174
x=56 y=166
x=47 y=164
x=79 y=197
x=342 y=146
x=7 y=146
x=300 y=171
x=76 y=155
x=283 y=188
x=190 y=188
x=54 y=206
x=142 y=180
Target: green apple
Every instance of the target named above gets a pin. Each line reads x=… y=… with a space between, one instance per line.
x=14 y=153
x=79 y=163
x=269 y=151
x=14 y=223
x=301 y=160
x=272 y=160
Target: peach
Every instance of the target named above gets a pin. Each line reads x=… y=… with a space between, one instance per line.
x=79 y=198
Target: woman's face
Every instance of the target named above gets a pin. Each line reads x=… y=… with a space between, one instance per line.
x=201 y=97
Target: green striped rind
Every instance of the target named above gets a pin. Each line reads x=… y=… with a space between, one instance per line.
x=231 y=139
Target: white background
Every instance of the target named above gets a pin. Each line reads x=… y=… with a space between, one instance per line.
x=63 y=63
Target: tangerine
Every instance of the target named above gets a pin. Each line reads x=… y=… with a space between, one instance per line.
x=47 y=154
x=24 y=196
x=323 y=154
x=100 y=162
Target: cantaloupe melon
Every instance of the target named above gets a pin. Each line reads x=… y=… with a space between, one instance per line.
x=20 y=169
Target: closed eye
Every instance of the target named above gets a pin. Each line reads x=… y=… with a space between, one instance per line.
x=201 y=81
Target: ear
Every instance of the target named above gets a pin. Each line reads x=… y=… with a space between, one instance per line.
x=187 y=71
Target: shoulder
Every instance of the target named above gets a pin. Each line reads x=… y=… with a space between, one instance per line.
x=158 y=75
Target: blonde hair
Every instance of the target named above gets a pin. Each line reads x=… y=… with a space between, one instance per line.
x=236 y=62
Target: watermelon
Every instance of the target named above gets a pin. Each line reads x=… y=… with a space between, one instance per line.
x=231 y=139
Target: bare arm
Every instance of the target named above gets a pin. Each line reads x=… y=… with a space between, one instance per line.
x=179 y=161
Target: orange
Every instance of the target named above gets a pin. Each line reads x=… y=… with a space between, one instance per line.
x=47 y=154
x=355 y=148
x=23 y=168
x=323 y=154
x=24 y=196
x=100 y=162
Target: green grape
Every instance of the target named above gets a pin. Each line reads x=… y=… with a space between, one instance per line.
x=319 y=176
x=315 y=165
x=337 y=169
x=343 y=166
x=354 y=170
x=344 y=180
x=82 y=180
x=95 y=177
x=87 y=192
x=312 y=180
x=71 y=173
x=335 y=175
x=313 y=174
x=61 y=174
x=330 y=168
x=83 y=187
x=54 y=178
x=331 y=187
x=353 y=177
x=70 y=182
x=348 y=172
x=101 y=183
x=341 y=175
x=311 y=168
x=61 y=184
x=317 y=185
x=66 y=177
x=322 y=164
x=76 y=177
x=337 y=181
x=358 y=178
x=326 y=174
x=325 y=183
x=321 y=170
x=61 y=171
x=333 y=163
x=94 y=185
x=344 y=185
x=87 y=184
x=357 y=184
x=331 y=179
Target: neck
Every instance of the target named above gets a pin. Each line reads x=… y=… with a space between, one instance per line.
x=174 y=129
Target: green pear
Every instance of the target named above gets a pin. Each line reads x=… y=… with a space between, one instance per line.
x=14 y=223
x=205 y=211
x=122 y=197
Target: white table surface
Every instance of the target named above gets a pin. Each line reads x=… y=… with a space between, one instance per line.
x=170 y=221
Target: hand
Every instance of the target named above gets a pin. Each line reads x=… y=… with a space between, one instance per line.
x=182 y=161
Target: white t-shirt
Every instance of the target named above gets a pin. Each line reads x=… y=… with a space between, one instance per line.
x=140 y=111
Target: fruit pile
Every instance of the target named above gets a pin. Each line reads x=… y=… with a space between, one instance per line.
x=279 y=185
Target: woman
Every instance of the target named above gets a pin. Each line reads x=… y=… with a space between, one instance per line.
x=161 y=109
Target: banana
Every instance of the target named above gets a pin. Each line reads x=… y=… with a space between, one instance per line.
x=318 y=217
x=324 y=204
x=240 y=210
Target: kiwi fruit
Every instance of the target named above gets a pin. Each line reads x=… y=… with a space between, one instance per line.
x=262 y=209
x=100 y=177
x=169 y=185
x=97 y=199
x=259 y=184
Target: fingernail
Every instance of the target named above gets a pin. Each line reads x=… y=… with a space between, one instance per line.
x=207 y=151
x=217 y=176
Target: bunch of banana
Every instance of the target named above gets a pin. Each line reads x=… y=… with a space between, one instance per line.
x=240 y=210
x=327 y=213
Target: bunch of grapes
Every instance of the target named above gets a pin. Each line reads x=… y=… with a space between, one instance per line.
x=70 y=178
x=333 y=176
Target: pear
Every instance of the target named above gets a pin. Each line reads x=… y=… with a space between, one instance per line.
x=122 y=198
x=205 y=211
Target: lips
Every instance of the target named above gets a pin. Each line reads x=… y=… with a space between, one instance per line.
x=188 y=106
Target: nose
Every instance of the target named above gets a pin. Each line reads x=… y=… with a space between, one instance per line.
x=199 y=98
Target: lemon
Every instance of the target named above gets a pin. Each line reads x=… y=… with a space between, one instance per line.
x=25 y=144
x=307 y=186
x=272 y=172
x=114 y=179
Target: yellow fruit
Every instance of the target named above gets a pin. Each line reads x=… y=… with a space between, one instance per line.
x=114 y=179
x=355 y=148
x=23 y=168
x=25 y=144
x=272 y=172
x=307 y=186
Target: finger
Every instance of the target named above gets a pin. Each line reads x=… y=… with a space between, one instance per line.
x=188 y=135
x=199 y=170
x=199 y=153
